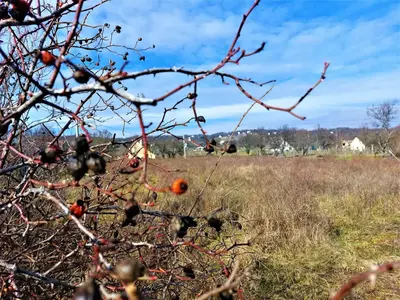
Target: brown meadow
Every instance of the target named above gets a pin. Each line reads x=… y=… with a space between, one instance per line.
x=312 y=222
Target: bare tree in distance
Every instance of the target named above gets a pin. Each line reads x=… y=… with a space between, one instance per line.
x=249 y=142
x=287 y=137
x=262 y=139
x=303 y=141
x=368 y=137
x=327 y=139
x=383 y=116
x=169 y=148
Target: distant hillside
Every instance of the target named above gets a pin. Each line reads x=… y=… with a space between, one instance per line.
x=342 y=132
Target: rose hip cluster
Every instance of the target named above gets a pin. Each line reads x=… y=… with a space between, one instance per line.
x=51 y=154
x=127 y=271
x=16 y=9
x=84 y=160
x=209 y=148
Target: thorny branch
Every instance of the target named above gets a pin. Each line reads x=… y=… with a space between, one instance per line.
x=367 y=276
x=53 y=71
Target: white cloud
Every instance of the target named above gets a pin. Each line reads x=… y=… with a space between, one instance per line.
x=364 y=52
x=338 y=93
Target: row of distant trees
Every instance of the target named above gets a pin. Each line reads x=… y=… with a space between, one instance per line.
x=381 y=135
x=300 y=140
x=168 y=148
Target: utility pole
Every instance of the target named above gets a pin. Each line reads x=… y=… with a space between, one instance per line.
x=77 y=130
x=184 y=147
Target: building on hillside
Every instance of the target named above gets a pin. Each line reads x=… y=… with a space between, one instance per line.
x=137 y=150
x=200 y=148
x=353 y=145
x=284 y=147
x=223 y=140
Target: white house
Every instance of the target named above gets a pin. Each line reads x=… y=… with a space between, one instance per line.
x=353 y=145
x=223 y=140
x=283 y=146
x=137 y=150
x=200 y=148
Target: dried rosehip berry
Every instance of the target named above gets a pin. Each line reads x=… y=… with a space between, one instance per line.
x=134 y=163
x=215 y=223
x=81 y=76
x=18 y=9
x=188 y=270
x=129 y=270
x=88 y=291
x=80 y=145
x=231 y=149
x=77 y=167
x=201 y=119
x=50 y=154
x=96 y=163
x=191 y=96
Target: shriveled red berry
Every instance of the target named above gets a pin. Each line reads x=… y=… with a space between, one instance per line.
x=134 y=163
x=47 y=58
x=19 y=9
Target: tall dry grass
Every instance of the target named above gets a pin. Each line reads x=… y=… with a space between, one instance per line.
x=312 y=222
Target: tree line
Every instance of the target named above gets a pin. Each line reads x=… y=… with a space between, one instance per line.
x=380 y=136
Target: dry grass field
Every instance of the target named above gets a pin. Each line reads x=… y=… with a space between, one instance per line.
x=312 y=222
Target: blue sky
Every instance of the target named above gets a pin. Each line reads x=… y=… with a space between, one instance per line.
x=360 y=38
